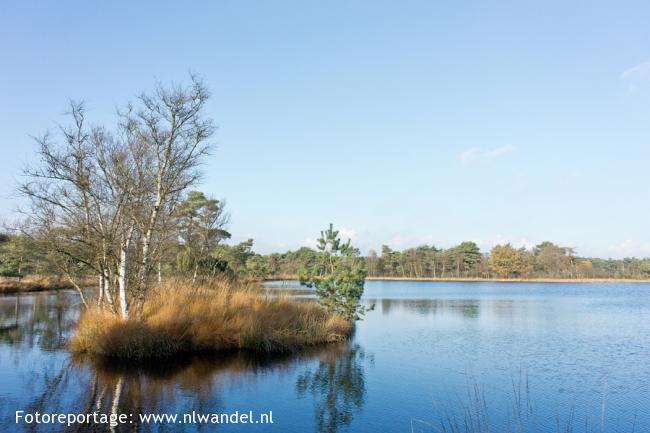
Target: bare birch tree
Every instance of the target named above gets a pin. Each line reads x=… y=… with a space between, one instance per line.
x=171 y=130
x=101 y=202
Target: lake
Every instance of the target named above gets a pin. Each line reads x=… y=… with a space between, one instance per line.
x=534 y=357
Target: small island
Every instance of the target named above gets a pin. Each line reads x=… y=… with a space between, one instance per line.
x=113 y=210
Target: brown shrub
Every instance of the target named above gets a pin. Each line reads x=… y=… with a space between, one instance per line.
x=178 y=317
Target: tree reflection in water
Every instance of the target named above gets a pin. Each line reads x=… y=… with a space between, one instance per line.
x=86 y=385
x=37 y=327
x=43 y=320
x=337 y=385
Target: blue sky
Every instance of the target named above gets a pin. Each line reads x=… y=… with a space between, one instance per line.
x=401 y=122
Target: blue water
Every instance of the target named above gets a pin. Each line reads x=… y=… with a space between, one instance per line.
x=534 y=357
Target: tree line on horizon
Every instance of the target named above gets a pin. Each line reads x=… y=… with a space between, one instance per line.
x=197 y=248
x=465 y=260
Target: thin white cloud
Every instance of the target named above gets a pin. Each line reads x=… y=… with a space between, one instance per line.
x=309 y=242
x=499 y=151
x=502 y=240
x=469 y=154
x=346 y=233
x=639 y=71
x=630 y=248
x=476 y=154
x=637 y=76
x=401 y=242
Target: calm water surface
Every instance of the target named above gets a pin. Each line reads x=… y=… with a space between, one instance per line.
x=537 y=356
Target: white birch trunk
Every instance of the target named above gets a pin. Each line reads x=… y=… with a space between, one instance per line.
x=146 y=242
x=153 y=217
x=107 y=289
x=100 y=296
x=121 y=283
x=122 y=274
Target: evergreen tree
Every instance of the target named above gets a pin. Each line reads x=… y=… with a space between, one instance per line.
x=200 y=221
x=338 y=275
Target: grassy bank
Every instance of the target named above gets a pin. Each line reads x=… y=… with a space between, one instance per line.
x=498 y=280
x=179 y=318
x=32 y=283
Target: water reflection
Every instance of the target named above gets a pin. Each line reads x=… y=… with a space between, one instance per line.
x=86 y=385
x=338 y=387
x=34 y=329
x=428 y=339
x=469 y=308
x=44 y=320
x=465 y=308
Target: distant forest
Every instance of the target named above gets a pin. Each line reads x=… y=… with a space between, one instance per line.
x=204 y=254
x=546 y=260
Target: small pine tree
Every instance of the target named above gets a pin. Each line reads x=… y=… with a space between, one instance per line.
x=338 y=275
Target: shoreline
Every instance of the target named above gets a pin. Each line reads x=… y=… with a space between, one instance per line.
x=29 y=288
x=28 y=285
x=33 y=284
x=486 y=280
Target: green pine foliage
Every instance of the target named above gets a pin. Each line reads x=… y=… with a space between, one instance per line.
x=337 y=274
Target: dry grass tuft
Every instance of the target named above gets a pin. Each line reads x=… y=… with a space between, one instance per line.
x=178 y=318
